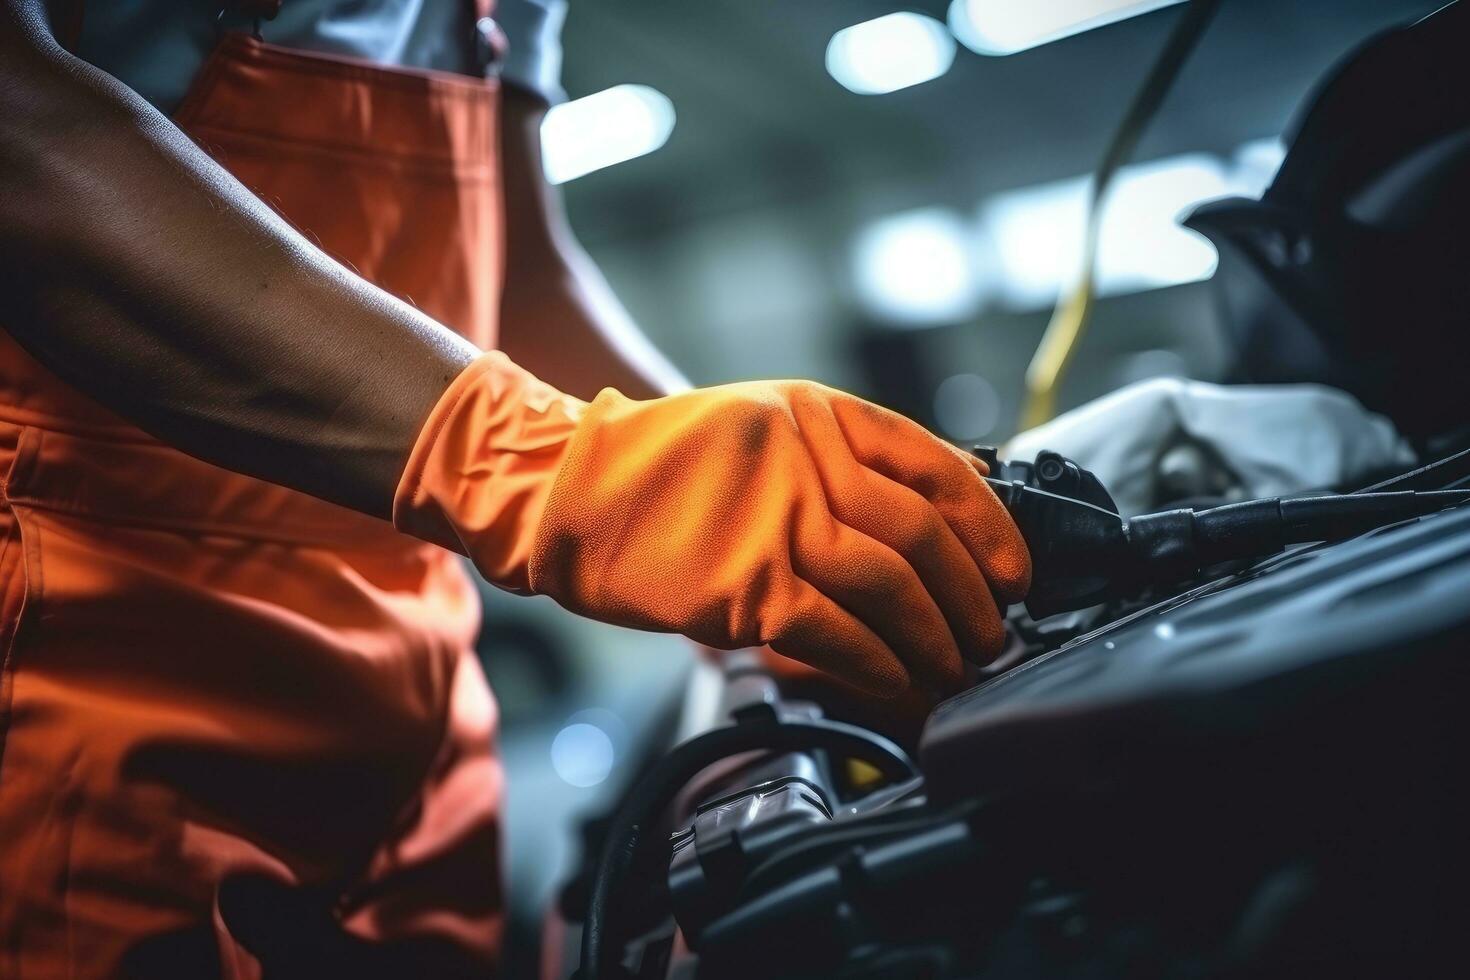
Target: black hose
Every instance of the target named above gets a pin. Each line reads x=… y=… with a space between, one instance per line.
x=658 y=787
x=1175 y=544
x=818 y=847
x=1074 y=306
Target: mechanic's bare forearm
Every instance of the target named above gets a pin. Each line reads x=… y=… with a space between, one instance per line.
x=138 y=270
x=559 y=318
x=561 y=322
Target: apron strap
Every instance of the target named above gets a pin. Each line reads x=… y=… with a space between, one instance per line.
x=490 y=43
x=260 y=9
x=253 y=10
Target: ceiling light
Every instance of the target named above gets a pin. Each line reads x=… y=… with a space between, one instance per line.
x=1037 y=231
x=1006 y=26
x=890 y=53
x=602 y=129
x=916 y=268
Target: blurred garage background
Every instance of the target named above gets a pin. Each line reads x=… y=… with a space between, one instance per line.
x=803 y=189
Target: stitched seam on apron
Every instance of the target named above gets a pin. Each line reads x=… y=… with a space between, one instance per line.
x=364 y=534
x=114 y=432
x=429 y=168
x=221 y=529
x=415 y=81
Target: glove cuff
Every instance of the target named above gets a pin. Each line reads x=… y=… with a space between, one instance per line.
x=483 y=465
x=584 y=513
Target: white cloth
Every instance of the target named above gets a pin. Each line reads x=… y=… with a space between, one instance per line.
x=1258 y=440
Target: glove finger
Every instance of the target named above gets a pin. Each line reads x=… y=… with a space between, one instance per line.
x=904 y=521
x=874 y=583
x=898 y=517
x=905 y=453
x=817 y=631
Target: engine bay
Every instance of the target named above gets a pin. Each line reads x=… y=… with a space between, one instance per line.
x=1225 y=737
x=1254 y=776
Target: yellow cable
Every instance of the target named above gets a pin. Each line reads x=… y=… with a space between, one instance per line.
x=1059 y=343
x=1068 y=321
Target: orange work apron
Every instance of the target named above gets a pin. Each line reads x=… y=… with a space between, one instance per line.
x=208 y=679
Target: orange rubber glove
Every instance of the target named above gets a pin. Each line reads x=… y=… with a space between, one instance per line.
x=787 y=513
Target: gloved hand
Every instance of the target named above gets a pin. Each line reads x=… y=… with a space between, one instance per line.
x=786 y=513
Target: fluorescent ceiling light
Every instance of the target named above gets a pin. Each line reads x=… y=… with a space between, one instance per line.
x=602 y=129
x=999 y=27
x=926 y=267
x=916 y=268
x=890 y=53
x=1037 y=231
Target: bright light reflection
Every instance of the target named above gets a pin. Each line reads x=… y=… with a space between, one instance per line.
x=602 y=129
x=582 y=754
x=1254 y=166
x=1038 y=231
x=924 y=267
x=890 y=53
x=999 y=27
x=916 y=267
x=966 y=407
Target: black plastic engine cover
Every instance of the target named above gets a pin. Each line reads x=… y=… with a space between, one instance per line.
x=1265 y=777
x=1257 y=653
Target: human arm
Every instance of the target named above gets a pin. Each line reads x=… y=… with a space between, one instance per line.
x=768 y=512
x=559 y=318
x=138 y=270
